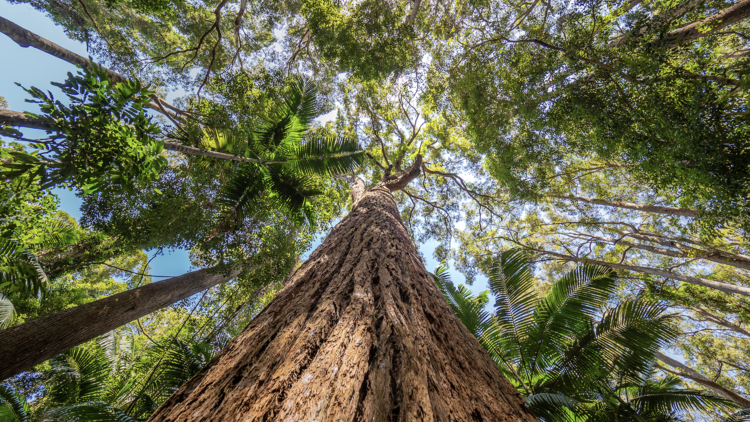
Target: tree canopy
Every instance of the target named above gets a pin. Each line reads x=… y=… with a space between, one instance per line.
x=606 y=142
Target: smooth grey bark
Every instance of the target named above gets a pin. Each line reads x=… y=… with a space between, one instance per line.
x=709 y=253
x=655 y=209
x=711 y=284
x=681 y=253
x=35 y=341
x=15 y=118
x=658 y=20
x=26 y=38
x=689 y=373
x=717 y=22
x=720 y=321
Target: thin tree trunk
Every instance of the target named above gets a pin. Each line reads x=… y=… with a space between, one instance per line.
x=711 y=284
x=658 y=20
x=731 y=15
x=682 y=253
x=715 y=255
x=720 y=321
x=689 y=373
x=360 y=333
x=18 y=119
x=26 y=38
x=33 y=342
x=656 y=209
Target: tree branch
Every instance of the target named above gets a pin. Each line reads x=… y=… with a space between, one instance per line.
x=685 y=371
x=26 y=38
x=656 y=209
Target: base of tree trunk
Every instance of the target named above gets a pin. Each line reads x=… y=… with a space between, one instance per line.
x=360 y=333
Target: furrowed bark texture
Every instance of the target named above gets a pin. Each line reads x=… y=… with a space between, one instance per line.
x=33 y=342
x=360 y=333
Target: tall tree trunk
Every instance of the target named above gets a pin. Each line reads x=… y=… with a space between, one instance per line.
x=710 y=317
x=656 y=209
x=710 y=253
x=685 y=371
x=360 y=333
x=26 y=38
x=33 y=342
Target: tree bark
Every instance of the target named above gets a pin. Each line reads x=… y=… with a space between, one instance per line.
x=658 y=20
x=26 y=38
x=656 y=209
x=33 y=342
x=360 y=333
x=689 y=373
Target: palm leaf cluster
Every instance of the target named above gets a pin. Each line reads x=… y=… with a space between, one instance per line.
x=569 y=351
x=19 y=269
x=111 y=381
x=13 y=408
x=21 y=274
x=281 y=158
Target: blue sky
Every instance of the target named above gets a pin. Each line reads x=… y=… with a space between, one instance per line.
x=31 y=67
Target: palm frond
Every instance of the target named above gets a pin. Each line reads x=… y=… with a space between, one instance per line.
x=7 y=312
x=91 y=411
x=290 y=192
x=57 y=234
x=324 y=156
x=20 y=270
x=741 y=415
x=625 y=340
x=441 y=275
x=291 y=121
x=512 y=285
x=13 y=407
x=79 y=375
x=470 y=309
x=572 y=302
x=664 y=397
x=552 y=407
x=179 y=361
x=245 y=187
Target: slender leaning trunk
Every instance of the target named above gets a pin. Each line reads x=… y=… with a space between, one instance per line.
x=33 y=342
x=360 y=333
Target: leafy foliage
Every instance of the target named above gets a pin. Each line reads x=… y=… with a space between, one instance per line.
x=111 y=382
x=567 y=352
x=104 y=134
x=12 y=407
x=20 y=270
x=285 y=159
